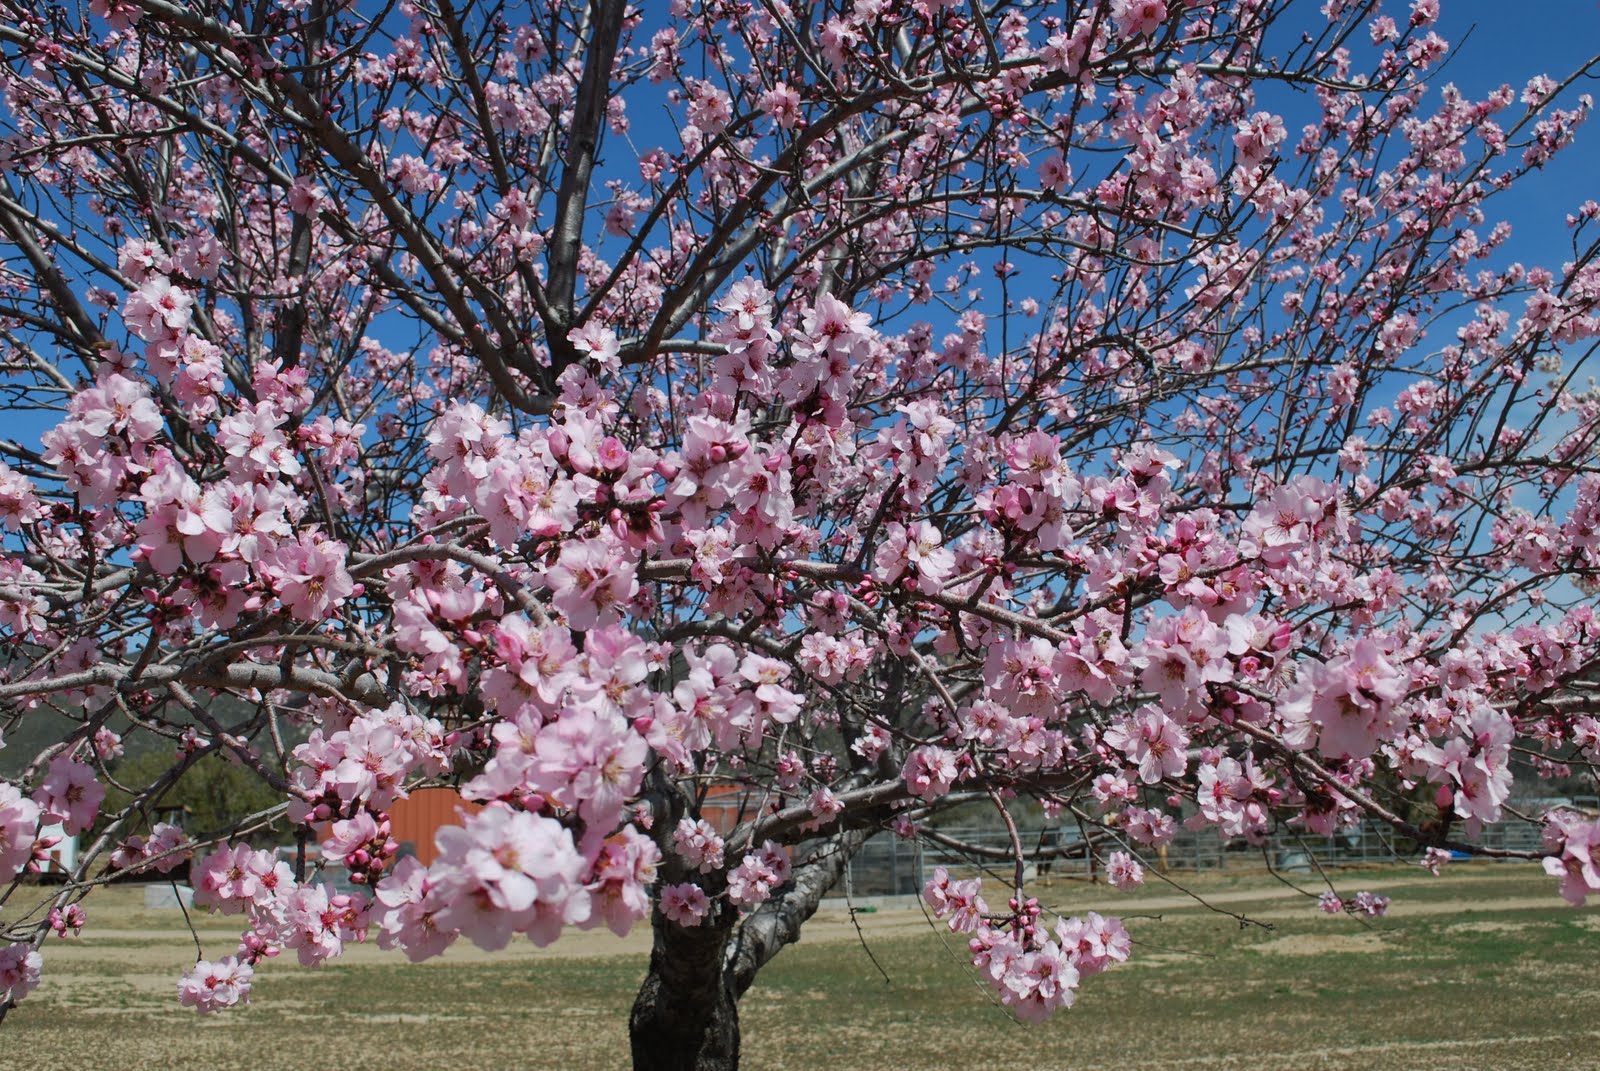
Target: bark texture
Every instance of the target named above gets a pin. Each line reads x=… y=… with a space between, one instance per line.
x=686 y=1016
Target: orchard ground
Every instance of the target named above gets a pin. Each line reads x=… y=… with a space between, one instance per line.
x=1483 y=967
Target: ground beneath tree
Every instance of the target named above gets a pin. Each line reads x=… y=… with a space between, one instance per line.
x=1484 y=967
x=124 y=930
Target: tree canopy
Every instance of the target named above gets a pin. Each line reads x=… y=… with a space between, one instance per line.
x=866 y=407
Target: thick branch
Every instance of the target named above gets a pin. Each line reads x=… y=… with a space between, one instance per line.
x=777 y=922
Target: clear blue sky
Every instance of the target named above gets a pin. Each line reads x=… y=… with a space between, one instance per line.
x=1501 y=41
x=1494 y=42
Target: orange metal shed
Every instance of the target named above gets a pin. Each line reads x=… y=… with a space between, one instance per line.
x=725 y=805
x=415 y=819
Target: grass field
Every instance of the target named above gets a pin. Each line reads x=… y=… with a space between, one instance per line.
x=1483 y=968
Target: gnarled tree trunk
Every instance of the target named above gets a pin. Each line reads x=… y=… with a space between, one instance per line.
x=686 y=1016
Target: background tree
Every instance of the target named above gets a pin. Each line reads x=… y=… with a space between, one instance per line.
x=214 y=796
x=877 y=406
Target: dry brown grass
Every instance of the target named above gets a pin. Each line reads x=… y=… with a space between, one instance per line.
x=1483 y=968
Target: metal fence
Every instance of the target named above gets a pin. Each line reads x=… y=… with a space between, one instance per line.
x=888 y=865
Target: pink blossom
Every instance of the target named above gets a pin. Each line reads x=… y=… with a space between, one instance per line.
x=1433 y=859
x=824 y=807
x=1094 y=942
x=200 y=257
x=1151 y=741
x=697 y=842
x=832 y=326
x=232 y=879
x=1257 y=137
x=589 y=761
x=19 y=505
x=407 y=910
x=598 y=343
x=349 y=836
x=72 y=918
x=118 y=404
x=70 y=793
x=917 y=550
x=1572 y=840
x=166 y=848
x=311 y=924
x=958 y=901
x=20 y=966
x=210 y=986
x=139 y=258
x=1036 y=984
x=157 y=309
x=306 y=197
x=1138 y=18
x=749 y=883
x=930 y=772
x=782 y=104
x=1368 y=905
x=310 y=577
x=591 y=584
x=1148 y=827
x=1347 y=705
x=19 y=824
x=758 y=874
x=503 y=872
x=685 y=904
x=709 y=108
x=256 y=445
x=620 y=878
x=1124 y=871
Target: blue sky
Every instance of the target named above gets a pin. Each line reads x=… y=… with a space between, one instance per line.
x=1498 y=42
x=1494 y=42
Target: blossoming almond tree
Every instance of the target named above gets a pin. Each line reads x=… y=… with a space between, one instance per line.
x=1127 y=405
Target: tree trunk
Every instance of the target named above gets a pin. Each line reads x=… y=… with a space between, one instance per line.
x=686 y=1016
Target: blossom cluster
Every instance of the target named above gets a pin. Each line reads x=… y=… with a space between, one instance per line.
x=20 y=967
x=1364 y=904
x=164 y=850
x=1572 y=839
x=506 y=872
x=1033 y=974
